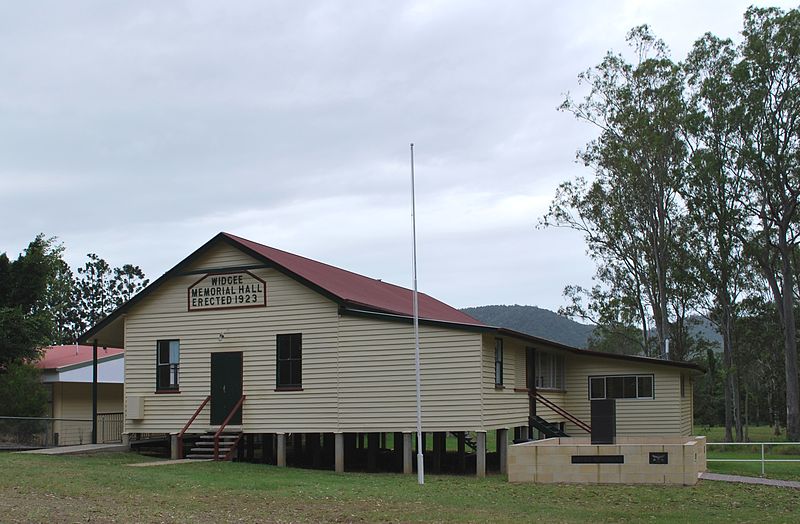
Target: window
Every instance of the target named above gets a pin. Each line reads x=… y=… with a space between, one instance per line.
x=289 y=366
x=683 y=385
x=498 y=362
x=621 y=386
x=168 y=360
x=549 y=370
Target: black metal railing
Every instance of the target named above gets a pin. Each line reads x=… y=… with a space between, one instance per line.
x=110 y=427
x=47 y=432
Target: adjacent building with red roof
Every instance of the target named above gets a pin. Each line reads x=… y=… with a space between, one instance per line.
x=67 y=372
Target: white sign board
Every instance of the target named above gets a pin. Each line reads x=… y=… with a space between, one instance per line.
x=226 y=291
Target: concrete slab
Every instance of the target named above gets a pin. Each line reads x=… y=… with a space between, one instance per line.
x=750 y=480
x=71 y=450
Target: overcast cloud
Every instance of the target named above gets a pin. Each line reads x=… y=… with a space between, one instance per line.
x=139 y=130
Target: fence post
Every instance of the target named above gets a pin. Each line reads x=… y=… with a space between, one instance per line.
x=762 y=460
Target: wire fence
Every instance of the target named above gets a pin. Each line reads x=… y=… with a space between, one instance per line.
x=766 y=452
x=45 y=432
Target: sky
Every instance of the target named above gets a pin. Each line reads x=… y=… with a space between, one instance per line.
x=139 y=130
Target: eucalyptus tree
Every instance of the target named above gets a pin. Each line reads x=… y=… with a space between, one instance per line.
x=714 y=190
x=630 y=213
x=767 y=79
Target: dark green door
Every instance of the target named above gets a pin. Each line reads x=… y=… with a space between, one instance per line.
x=226 y=387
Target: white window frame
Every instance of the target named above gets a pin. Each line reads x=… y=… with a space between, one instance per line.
x=555 y=373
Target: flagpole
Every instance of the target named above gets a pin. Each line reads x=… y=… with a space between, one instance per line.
x=420 y=442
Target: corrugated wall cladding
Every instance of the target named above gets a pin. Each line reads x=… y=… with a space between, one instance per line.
x=358 y=373
x=503 y=407
x=662 y=415
x=377 y=387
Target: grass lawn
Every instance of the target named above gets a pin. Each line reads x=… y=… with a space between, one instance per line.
x=754 y=433
x=776 y=470
x=102 y=488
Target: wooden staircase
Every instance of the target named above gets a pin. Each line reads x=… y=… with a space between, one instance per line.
x=213 y=445
x=226 y=445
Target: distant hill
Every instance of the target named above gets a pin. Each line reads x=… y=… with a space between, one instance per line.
x=544 y=323
x=534 y=321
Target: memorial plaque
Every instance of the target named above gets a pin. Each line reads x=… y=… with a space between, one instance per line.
x=227 y=291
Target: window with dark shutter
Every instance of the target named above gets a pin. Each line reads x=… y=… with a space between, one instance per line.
x=168 y=355
x=498 y=362
x=289 y=363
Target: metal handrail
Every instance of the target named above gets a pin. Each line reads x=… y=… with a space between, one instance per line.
x=563 y=412
x=762 y=460
x=234 y=444
x=225 y=423
x=189 y=423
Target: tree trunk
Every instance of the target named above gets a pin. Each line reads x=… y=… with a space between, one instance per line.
x=731 y=388
x=790 y=344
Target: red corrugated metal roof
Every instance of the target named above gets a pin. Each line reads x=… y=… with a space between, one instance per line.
x=358 y=291
x=56 y=357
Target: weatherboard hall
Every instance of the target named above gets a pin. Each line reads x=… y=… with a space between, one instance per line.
x=243 y=351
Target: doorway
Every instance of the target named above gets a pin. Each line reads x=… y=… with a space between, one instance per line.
x=226 y=386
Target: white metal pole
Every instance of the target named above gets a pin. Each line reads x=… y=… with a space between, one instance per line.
x=420 y=443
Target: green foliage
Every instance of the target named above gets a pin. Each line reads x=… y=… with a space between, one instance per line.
x=767 y=79
x=631 y=213
x=618 y=339
x=61 y=304
x=100 y=289
x=694 y=205
x=42 y=302
x=709 y=406
x=21 y=392
x=26 y=323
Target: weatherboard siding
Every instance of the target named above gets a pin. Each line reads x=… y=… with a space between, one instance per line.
x=687 y=407
x=377 y=384
x=503 y=407
x=662 y=415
